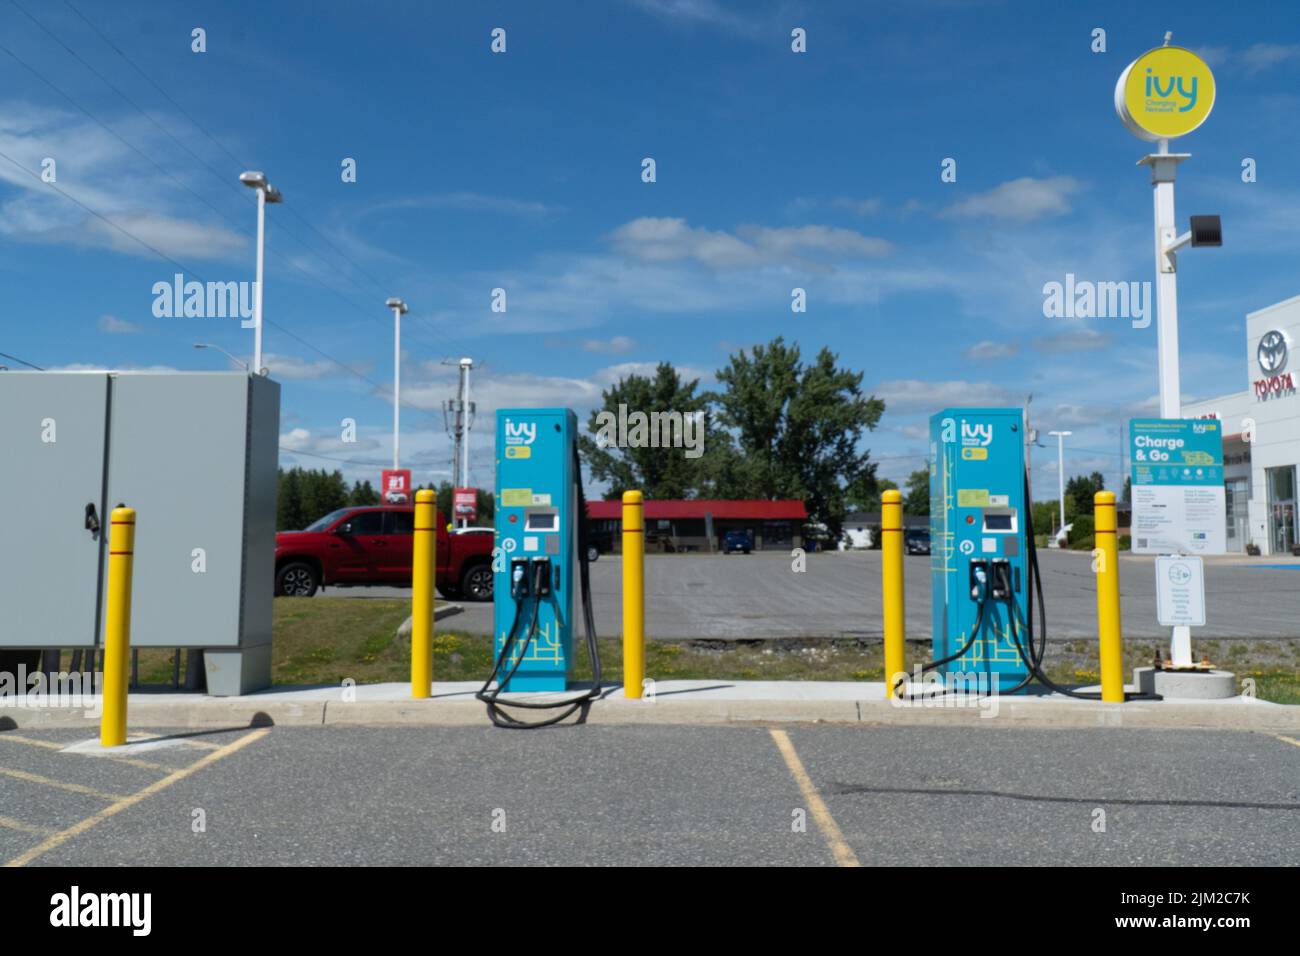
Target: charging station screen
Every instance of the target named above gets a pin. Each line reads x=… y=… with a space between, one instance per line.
x=997 y=522
x=546 y=522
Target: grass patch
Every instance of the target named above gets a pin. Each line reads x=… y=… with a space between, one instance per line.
x=324 y=641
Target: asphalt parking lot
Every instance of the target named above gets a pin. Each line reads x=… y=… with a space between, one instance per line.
x=759 y=596
x=670 y=795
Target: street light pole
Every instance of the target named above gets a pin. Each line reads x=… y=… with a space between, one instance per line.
x=399 y=308
x=265 y=193
x=208 y=345
x=1060 y=469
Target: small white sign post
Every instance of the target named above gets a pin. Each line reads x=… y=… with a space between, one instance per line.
x=1180 y=591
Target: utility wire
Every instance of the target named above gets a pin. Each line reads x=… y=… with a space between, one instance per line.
x=378 y=284
x=185 y=269
x=239 y=227
x=15 y=358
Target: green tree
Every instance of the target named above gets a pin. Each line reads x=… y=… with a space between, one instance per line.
x=658 y=472
x=288 y=510
x=798 y=428
x=1080 y=490
x=859 y=498
x=322 y=492
x=917 y=499
x=363 y=494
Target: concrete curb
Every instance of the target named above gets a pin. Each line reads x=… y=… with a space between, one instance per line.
x=195 y=711
x=440 y=612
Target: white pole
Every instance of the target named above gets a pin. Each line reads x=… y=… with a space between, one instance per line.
x=464 y=404
x=1060 y=474
x=257 y=292
x=1060 y=470
x=1162 y=175
x=397 y=380
x=1164 y=168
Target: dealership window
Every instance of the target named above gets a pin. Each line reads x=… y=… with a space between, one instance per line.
x=1237 y=498
x=1281 y=508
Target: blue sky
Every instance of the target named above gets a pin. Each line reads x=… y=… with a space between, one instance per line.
x=522 y=171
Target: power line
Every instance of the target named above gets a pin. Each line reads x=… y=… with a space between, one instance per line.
x=15 y=358
x=239 y=227
x=185 y=269
x=433 y=329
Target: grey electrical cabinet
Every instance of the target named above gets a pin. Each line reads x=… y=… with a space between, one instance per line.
x=195 y=454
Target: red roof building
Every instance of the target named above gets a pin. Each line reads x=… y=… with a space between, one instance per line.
x=699 y=524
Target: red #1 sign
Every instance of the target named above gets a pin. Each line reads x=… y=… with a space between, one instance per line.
x=465 y=504
x=396 y=485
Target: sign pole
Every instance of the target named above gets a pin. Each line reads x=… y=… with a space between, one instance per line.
x=1163 y=94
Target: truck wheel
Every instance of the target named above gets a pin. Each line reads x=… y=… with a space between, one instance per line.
x=477 y=585
x=296 y=579
x=593 y=554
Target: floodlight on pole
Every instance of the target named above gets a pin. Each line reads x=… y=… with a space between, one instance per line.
x=1060 y=469
x=266 y=193
x=399 y=309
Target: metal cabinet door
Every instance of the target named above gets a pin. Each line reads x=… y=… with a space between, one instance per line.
x=52 y=427
x=178 y=455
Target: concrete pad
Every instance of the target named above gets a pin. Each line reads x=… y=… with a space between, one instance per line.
x=1187 y=685
x=132 y=747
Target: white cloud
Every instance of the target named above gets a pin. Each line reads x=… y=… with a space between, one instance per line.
x=292 y=367
x=617 y=345
x=701 y=13
x=304 y=441
x=989 y=350
x=106 y=179
x=115 y=326
x=672 y=239
x=1265 y=56
x=1077 y=340
x=902 y=396
x=1019 y=200
x=470 y=202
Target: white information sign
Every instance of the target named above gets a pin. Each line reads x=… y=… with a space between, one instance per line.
x=1180 y=591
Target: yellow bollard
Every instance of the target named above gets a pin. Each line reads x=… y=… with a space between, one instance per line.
x=424 y=554
x=117 y=626
x=891 y=564
x=1106 y=559
x=633 y=595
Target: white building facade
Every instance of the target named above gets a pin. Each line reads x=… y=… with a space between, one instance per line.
x=1261 y=435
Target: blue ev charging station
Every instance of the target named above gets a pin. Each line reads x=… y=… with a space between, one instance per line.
x=979 y=576
x=539 y=561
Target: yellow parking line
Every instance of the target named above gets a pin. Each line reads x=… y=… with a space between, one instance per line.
x=1290 y=740
x=46 y=781
x=124 y=803
x=13 y=824
x=134 y=762
x=47 y=744
x=843 y=853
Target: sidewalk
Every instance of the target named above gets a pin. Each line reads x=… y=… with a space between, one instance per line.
x=675 y=702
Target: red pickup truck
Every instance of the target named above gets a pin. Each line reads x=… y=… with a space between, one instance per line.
x=372 y=545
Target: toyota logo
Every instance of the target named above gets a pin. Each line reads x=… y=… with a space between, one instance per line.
x=1272 y=352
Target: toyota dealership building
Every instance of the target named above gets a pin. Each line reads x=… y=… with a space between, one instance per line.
x=1261 y=434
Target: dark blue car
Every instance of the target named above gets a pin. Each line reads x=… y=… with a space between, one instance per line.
x=737 y=541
